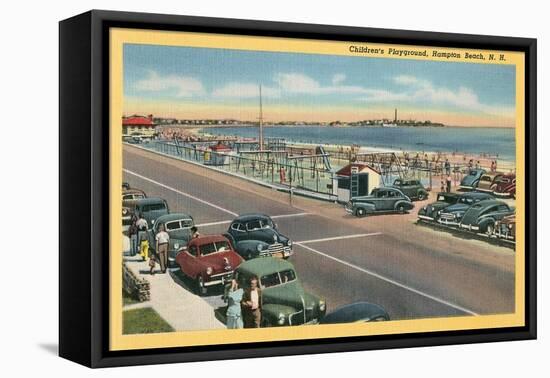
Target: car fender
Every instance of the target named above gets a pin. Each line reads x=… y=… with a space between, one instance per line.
x=249 y=248
x=271 y=312
x=367 y=206
x=421 y=191
x=406 y=205
x=484 y=222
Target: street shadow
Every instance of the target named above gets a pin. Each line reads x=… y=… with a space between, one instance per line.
x=52 y=348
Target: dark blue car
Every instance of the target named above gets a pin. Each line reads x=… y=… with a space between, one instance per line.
x=255 y=235
x=471 y=180
x=452 y=215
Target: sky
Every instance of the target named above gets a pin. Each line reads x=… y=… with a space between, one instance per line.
x=205 y=83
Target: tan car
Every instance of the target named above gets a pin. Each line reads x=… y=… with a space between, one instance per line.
x=487 y=180
x=129 y=197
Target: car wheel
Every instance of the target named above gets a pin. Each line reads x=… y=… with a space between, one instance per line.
x=421 y=196
x=199 y=286
x=361 y=212
x=401 y=209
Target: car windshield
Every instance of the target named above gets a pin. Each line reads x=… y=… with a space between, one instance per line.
x=473 y=173
x=209 y=248
x=153 y=207
x=397 y=182
x=258 y=224
x=278 y=278
x=503 y=179
x=179 y=224
x=444 y=198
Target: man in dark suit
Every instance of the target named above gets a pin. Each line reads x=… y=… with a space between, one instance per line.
x=252 y=305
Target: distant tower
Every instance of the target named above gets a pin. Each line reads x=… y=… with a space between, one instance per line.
x=395 y=119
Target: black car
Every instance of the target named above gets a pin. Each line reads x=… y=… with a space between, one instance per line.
x=452 y=215
x=254 y=235
x=380 y=200
x=355 y=313
x=483 y=216
x=429 y=212
x=411 y=188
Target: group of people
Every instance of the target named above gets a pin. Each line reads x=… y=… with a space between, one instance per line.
x=139 y=241
x=244 y=306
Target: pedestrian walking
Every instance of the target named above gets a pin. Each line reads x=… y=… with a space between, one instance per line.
x=234 y=312
x=449 y=182
x=252 y=305
x=132 y=233
x=162 y=238
x=443 y=186
x=447 y=167
x=143 y=244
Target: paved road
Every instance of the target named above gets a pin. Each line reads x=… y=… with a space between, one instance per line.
x=410 y=271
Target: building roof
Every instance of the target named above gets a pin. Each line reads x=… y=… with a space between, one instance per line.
x=136 y=120
x=346 y=171
x=220 y=147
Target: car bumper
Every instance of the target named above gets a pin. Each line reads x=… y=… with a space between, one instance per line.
x=349 y=209
x=278 y=252
x=448 y=222
x=466 y=187
x=219 y=279
x=469 y=227
x=426 y=218
x=502 y=194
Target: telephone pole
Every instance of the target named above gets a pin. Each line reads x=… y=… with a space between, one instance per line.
x=261 y=122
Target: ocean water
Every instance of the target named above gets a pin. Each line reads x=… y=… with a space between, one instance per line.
x=498 y=142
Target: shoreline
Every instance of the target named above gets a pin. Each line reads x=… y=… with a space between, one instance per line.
x=455 y=157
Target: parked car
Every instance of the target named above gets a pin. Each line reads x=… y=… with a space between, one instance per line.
x=255 y=235
x=178 y=226
x=128 y=195
x=132 y=194
x=452 y=215
x=505 y=186
x=284 y=300
x=506 y=228
x=431 y=211
x=411 y=188
x=380 y=200
x=358 y=312
x=471 y=180
x=482 y=216
x=208 y=261
x=487 y=181
x=150 y=208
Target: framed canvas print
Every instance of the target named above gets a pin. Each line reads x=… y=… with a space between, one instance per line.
x=234 y=188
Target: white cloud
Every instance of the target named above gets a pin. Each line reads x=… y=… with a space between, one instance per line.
x=302 y=84
x=338 y=78
x=244 y=90
x=183 y=86
x=420 y=90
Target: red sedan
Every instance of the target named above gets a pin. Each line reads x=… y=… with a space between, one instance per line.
x=505 y=186
x=208 y=260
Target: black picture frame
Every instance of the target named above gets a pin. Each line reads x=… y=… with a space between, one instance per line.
x=84 y=193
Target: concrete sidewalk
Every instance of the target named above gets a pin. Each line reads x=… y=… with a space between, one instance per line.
x=183 y=310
